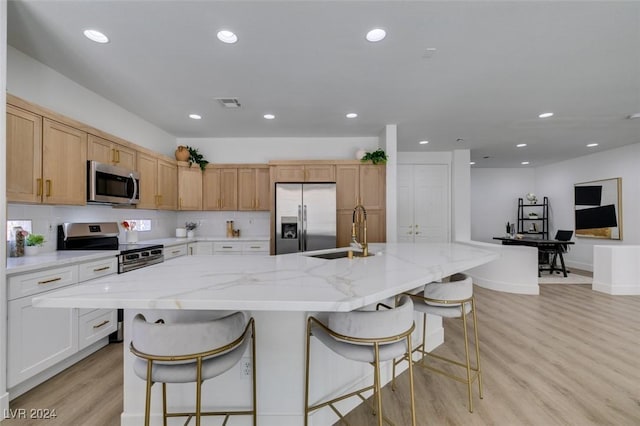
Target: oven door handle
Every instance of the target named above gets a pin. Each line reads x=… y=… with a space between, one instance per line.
x=135 y=188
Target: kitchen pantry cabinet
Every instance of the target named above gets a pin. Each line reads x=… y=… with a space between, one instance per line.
x=361 y=184
x=108 y=152
x=158 y=182
x=423 y=203
x=253 y=188
x=220 y=188
x=61 y=177
x=189 y=187
x=304 y=172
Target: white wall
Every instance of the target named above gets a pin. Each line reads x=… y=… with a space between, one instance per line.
x=37 y=83
x=494 y=199
x=4 y=396
x=494 y=194
x=262 y=150
x=556 y=181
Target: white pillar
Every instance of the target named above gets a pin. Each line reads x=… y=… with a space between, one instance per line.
x=461 y=193
x=4 y=396
x=389 y=142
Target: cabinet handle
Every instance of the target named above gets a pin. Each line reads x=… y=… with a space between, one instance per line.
x=180 y=203
x=257 y=203
x=117 y=155
x=218 y=205
x=49 y=184
x=222 y=203
x=409 y=233
x=417 y=232
x=39 y=189
x=104 y=268
x=175 y=252
x=255 y=247
x=191 y=251
x=113 y=155
x=105 y=322
x=52 y=280
x=416 y=226
x=227 y=247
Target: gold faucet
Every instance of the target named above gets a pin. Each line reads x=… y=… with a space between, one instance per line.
x=359 y=219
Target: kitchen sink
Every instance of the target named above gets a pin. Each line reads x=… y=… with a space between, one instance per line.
x=338 y=255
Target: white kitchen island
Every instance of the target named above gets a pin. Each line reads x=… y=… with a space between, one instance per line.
x=279 y=292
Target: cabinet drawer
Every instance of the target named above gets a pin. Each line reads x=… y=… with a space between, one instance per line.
x=97 y=268
x=95 y=325
x=37 y=282
x=255 y=247
x=175 y=251
x=227 y=247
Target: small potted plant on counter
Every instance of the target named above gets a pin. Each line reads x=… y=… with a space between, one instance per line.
x=34 y=242
x=191 y=229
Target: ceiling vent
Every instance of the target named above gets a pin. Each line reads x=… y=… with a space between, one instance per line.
x=229 y=102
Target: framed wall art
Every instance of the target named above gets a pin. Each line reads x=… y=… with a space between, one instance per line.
x=598 y=209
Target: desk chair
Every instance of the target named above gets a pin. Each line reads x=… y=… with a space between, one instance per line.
x=554 y=252
x=191 y=352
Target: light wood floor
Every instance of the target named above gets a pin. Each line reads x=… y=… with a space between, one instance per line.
x=570 y=356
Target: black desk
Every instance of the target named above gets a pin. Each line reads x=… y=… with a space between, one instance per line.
x=546 y=246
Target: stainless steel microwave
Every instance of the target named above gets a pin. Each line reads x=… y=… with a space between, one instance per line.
x=109 y=184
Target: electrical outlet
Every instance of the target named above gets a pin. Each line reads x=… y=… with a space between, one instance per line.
x=246 y=367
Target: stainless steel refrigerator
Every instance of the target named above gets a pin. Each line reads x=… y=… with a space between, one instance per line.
x=305 y=217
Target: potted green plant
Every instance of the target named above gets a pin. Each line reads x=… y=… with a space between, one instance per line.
x=196 y=157
x=34 y=242
x=377 y=157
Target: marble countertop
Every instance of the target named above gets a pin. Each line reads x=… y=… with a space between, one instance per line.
x=291 y=282
x=18 y=265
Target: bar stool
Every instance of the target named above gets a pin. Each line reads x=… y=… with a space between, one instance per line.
x=453 y=299
x=365 y=336
x=191 y=351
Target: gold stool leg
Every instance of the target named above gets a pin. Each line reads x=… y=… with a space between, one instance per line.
x=377 y=382
x=253 y=373
x=147 y=405
x=198 y=391
x=306 y=375
x=412 y=396
x=164 y=404
x=466 y=352
x=424 y=339
x=475 y=331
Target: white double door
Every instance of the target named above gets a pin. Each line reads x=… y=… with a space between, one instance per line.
x=423 y=203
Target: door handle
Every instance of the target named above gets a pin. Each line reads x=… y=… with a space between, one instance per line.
x=135 y=187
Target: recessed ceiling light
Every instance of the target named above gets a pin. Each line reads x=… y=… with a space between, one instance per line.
x=521 y=145
x=352 y=115
x=195 y=116
x=591 y=145
x=97 y=36
x=269 y=116
x=228 y=37
x=524 y=163
x=471 y=163
x=546 y=115
x=423 y=142
x=377 y=34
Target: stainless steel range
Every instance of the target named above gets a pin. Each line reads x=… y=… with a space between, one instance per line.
x=104 y=236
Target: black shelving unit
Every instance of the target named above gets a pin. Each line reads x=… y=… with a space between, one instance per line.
x=537 y=226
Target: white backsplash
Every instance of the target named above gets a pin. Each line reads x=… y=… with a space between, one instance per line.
x=45 y=220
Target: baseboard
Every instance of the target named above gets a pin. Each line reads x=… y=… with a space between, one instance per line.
x=4 y=405
x=618 y=290
x=506 y=287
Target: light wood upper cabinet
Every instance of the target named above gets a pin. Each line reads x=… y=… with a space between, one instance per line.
x=64 y=170
x=147 y=167
x=167 y=185
x=361 y=184
x=253 y=188
x=158 y=183
x=24 y=156
x=108 y=152
x=373 y=187
x=189 y=188
x=220 y=188
x=304 y=173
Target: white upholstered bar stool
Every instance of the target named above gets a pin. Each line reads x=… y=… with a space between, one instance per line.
x=452 y=299
x=191 y=352
x=365 y=336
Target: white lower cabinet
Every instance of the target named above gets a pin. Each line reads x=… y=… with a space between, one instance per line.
x=95 y=325
x=175 y=251
x=201 y=247
x=229 y=247
x=38 y=338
